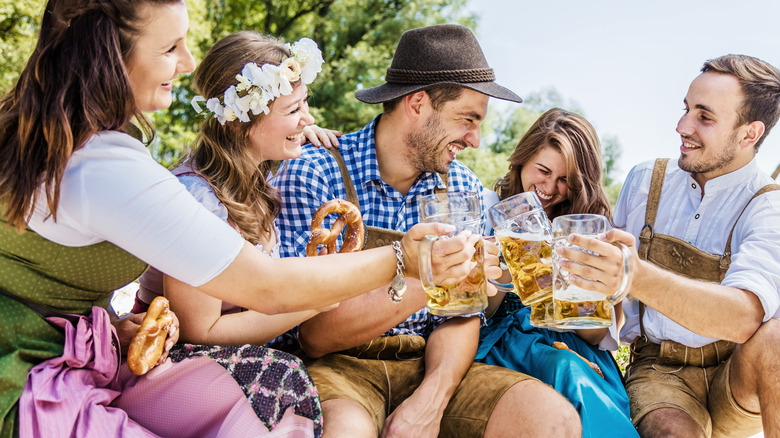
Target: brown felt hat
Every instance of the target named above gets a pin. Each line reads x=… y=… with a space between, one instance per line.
x=437 y=55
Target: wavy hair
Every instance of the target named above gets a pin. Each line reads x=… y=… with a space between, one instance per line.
x=574 y=137
x=221 y=152
x=74 y=85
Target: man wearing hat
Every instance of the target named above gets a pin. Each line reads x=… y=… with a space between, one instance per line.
x=381 y=361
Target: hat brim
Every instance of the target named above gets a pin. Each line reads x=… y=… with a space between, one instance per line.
x=387 y=92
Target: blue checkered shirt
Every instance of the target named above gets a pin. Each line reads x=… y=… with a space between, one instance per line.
x=313 y=179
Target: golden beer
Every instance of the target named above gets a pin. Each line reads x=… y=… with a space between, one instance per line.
x=575 y=314
x=542 y=313
x=469 y=296
x=529 y=259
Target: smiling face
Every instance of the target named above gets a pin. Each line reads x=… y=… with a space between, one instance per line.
x=545 y=174
x=708 y=128
x=159 y=54
x=447 y=132
x=279 y=134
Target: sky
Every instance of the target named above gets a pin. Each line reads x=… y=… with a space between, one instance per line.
x=626 y=64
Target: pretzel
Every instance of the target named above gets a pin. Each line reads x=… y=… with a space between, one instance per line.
x=148 y=343
x=349 y=215
x=563 y=346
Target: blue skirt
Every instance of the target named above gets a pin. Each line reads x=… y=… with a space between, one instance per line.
x=509 y=340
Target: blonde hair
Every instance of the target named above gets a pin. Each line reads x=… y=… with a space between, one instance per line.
x=574 y=137
x=221 y=152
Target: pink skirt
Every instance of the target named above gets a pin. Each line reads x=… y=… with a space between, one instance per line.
x=86 y=393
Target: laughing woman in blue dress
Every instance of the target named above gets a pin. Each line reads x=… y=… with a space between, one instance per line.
x=559 y=159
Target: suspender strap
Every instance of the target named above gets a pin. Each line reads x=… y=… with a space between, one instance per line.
x=349 y=186
x=651 y=211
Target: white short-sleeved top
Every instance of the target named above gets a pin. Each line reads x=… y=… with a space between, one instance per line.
x=113 y=190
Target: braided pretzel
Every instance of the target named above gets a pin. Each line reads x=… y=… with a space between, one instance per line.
x=563 y=346
x=349 y=215
x=147 y=344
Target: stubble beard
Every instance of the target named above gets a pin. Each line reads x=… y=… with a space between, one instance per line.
x=425 y=147
x=724 y=157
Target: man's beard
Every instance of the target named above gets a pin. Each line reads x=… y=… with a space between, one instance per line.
x=425 y=146
x=724 y=157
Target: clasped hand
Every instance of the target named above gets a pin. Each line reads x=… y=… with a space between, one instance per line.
x=600 y=268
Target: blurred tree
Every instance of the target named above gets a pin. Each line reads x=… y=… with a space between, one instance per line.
x=18 y=26
x=357 y=38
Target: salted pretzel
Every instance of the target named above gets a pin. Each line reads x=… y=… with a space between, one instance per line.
x=563 y=346
x=348 y=215
x=148 y=343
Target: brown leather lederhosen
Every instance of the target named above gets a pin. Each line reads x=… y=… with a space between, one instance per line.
x=677 y=255
x=375 y=236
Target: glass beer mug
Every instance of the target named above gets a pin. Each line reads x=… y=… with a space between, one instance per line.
x=573 y=306
x=524 y=235
x=464 y=211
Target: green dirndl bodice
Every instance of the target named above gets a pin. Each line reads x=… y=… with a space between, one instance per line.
x=67 y=279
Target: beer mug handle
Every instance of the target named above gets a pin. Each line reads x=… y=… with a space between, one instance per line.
x=623 y=290
x=424 y=261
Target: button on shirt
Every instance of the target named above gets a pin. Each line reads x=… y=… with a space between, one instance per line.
x=706 y=222
x=313 y=179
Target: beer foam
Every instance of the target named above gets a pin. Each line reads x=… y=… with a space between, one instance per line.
x=523 y=236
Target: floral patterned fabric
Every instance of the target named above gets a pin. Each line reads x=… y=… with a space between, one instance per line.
x=272 y=380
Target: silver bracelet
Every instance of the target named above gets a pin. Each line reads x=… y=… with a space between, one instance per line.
x=398 y=285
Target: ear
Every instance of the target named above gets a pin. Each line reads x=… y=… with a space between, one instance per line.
x=415 y=105
x=752 y=134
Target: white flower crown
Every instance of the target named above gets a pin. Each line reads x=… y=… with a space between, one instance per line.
x=258 y=86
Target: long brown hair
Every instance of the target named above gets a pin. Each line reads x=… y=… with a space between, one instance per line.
x=221 y=152
x=574 y=137
x=74 y=85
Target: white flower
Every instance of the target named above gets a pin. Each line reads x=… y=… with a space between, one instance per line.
x=243 y=83
x=215 y=106
x=270 y=79
x=259 y=85
x=291 y=69
x=229 y=115
x=310 y=57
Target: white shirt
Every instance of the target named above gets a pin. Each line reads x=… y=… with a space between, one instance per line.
x=706 y=223
x=112 y=190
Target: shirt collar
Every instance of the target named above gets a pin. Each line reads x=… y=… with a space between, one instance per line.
x=730 y=180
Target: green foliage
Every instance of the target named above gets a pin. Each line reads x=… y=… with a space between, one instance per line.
x=357 y=38
x=18 y=27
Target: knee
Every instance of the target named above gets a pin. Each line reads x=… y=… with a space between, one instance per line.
x=346 y=418
x=762 y=347
x=537 y=408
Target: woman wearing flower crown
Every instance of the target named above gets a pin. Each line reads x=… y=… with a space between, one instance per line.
x=253 y=117
x=85 y=209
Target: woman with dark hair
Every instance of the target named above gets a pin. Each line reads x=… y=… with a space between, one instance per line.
x=86 y=208
x=559 y=159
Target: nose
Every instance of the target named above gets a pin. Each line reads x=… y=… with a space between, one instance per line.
x=186 y=62
x=683 y=127
x=472 y=137
x=307 y=119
